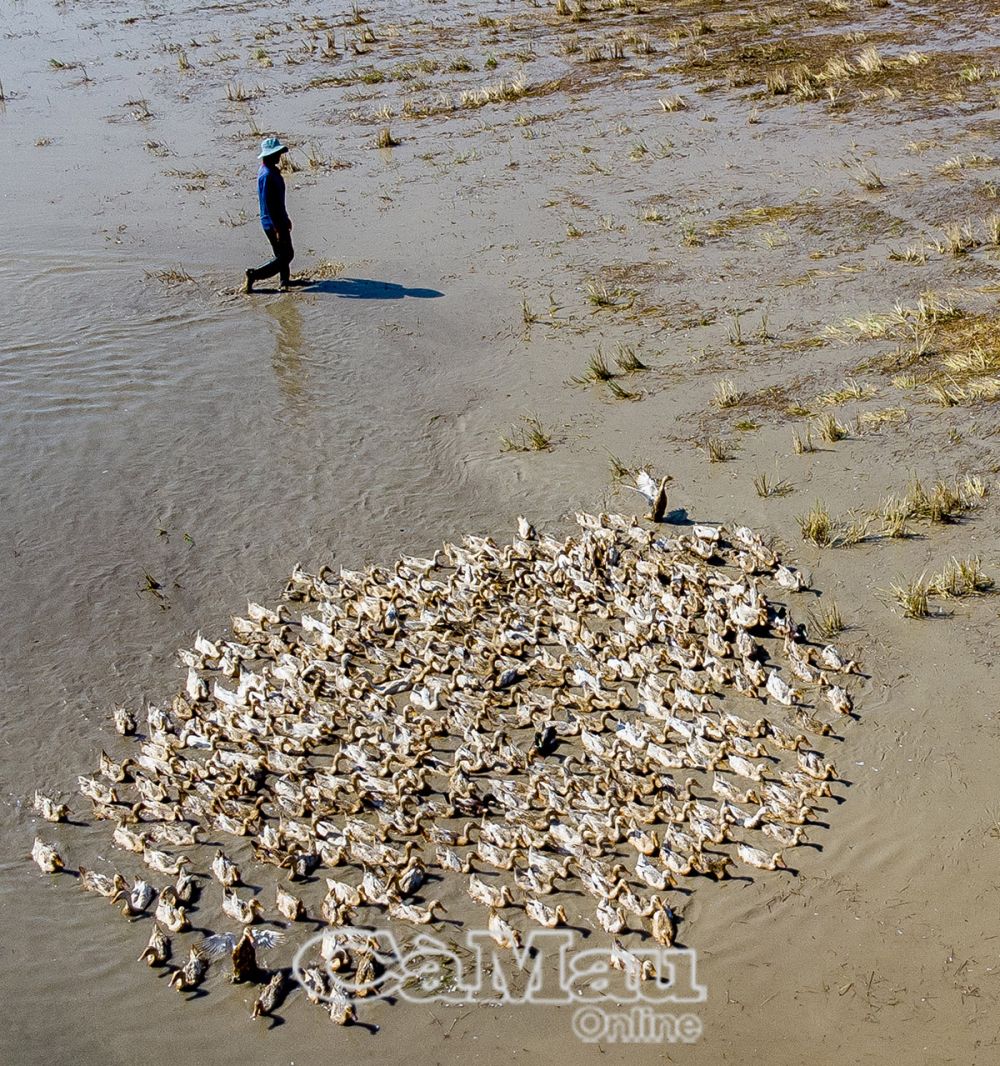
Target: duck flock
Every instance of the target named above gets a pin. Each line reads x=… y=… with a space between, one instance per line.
x=589 y=724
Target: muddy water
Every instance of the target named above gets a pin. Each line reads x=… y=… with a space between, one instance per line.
x=209 y=441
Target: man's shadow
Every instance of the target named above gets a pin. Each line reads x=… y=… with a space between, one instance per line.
x=366 y=289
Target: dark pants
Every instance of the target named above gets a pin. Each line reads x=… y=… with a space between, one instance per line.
x=283 y=255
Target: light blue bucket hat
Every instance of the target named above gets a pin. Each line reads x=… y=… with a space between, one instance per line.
x=271 y=146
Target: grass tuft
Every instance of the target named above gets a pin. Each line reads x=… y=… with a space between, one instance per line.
x=726 y=394
x=827 y=622
x=719 y=451
x=912 y=597
x=627 y=359
x=766 y=487
x=816 y=526
x=529 y=437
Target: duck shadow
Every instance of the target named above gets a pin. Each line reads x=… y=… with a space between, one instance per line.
x=678 y=517
x=195 y=993
x=365 y=289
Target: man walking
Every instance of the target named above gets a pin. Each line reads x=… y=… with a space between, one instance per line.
x=273 y=217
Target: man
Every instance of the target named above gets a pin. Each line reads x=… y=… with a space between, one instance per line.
x=273 y=217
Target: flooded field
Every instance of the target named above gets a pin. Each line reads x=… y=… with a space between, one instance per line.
x=751 y=248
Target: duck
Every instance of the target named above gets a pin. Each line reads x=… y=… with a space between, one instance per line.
x=340 y=1008
x=547 y=917
x=610 y=917
x=410 y=912
x=505 y=935
x=157 y=951
x=225 y=871
x=101 y=884
x=364 y=970
x=142 y=895
x=246 y=912
x=839 y=699
x=98 y=791
x=49 y=809
x=179 y=834
x=780 y=690
x=314 y=983
x=192 y=973
x=270 y=996
x=162 y=862
x=186 y=886
x=812 y=764
x=489 y=895
x=289 y=906
x=448 y=859
x=634 y=967
x=760 y=859
x=652 y=875
x=744 y=768
x=414 y=693
x=115 y=772
x=244 y=959
x=130 y=840
x=786 y=836
x=124 y=721
x=47 y=857
x=831 y=658
x=170 y=913
x=342 y=893
x=664 y=925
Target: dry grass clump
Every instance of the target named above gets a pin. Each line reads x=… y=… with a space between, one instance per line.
x=959 y=353
x=597 y=370
x=956 y=580
x=832 y=429
x=894 y=517
x=884 y=416
x=385 y=139
x=619 y=468
x=803 y=445
x=178 y=276
x=901 y=323
x=719 y=451
x=627 y=359
x=600 y=296
x=968 y=361
x=499 y=92
x=912 y=597
x=621 y=393
x=867 y=177
x=755 y=216
x=850 y=390
x=529 y=437
x=820 y=528
x=940 y=504
x=817 y=526
x=958 y=238
x=961 y=577
x=766 y=487
x=912 y=254
x=827 y=622
x=726 y=394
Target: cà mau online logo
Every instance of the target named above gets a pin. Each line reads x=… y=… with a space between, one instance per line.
x=548 y=969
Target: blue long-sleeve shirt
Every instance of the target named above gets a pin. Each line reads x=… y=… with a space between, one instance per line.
x=271 y=193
